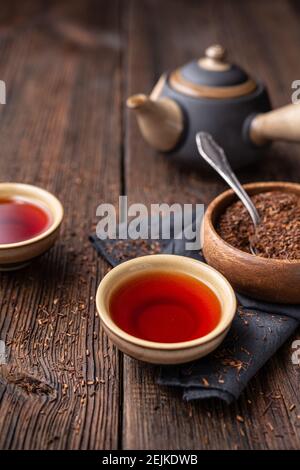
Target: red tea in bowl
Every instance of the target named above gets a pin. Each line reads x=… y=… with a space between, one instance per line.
x=165 y=307
x=21 y=219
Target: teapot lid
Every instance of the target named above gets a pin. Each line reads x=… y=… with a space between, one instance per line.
x=212 y=77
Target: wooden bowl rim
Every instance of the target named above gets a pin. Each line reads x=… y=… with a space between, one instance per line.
x=264 y=186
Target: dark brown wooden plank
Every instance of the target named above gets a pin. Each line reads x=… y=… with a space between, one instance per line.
x=163 y=35
x=60 y=129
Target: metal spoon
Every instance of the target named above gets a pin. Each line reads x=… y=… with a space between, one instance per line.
x=215 y=156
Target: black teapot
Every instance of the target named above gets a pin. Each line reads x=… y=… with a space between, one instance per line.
x=212 y=95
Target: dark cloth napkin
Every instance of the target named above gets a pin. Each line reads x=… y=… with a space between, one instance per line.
x=258 y=331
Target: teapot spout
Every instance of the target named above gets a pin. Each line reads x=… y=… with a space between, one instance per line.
x=160 y=121
x=137 y=101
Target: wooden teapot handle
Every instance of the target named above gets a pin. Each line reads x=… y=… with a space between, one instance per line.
x=280 y=124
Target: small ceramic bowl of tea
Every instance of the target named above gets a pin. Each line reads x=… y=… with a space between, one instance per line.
x=269 y=279
x=165 y=309
x=30 y=219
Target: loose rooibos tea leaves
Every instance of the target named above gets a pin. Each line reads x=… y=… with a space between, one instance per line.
x=21 y=220
x=165 y=307
x=277 y=236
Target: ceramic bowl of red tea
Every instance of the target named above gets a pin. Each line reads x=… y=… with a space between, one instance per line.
x=30 y=218
x=165 y=309
x=273 y=273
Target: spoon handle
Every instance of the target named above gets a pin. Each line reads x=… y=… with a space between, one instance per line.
x=215 y=156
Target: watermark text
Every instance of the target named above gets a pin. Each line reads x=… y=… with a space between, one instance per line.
x=296 y=93
x=160 y=222
x=2 y=92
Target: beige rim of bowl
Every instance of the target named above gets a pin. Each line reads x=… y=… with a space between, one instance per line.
x=34 y=194
x=109 y=283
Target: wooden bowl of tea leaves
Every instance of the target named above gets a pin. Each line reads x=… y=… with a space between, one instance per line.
x=273 y=273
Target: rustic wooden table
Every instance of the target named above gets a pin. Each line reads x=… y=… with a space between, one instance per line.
x=68 y=68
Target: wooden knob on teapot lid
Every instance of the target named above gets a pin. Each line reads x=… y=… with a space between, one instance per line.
x=216 y=52
x=214 y=58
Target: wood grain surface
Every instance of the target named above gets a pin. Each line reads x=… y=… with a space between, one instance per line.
x=69 y=67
